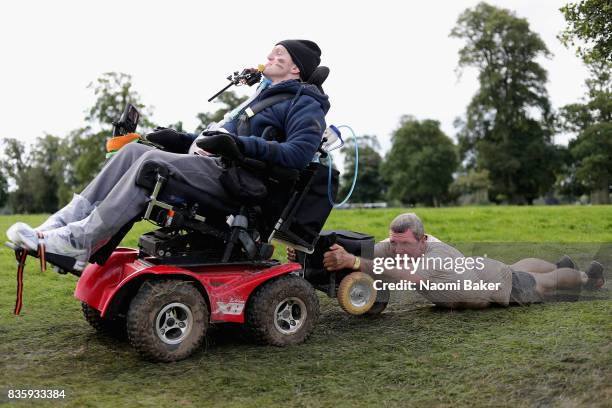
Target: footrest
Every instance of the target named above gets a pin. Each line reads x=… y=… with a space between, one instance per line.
x=63 y=264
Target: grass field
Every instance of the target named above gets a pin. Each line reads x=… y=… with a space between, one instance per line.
x=554 y=354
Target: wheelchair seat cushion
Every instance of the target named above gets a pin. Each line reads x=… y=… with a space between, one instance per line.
x=176 y=191
x=243 y=184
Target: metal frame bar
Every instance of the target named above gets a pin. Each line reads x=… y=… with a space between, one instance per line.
x=289 y=244
x=153 y=201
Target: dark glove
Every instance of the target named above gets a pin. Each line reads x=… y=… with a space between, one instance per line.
x=170 y=139
x=239 y=144
x=222 y=144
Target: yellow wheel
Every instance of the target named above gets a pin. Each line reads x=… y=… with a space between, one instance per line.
x=356 y=295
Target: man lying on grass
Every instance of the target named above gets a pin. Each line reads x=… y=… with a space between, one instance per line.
x=411 y=259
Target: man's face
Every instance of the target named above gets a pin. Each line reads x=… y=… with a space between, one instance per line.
x=407 y=244
x=280 y=65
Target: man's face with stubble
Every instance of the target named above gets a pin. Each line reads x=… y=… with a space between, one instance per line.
x=406 y=243
x=280 y=66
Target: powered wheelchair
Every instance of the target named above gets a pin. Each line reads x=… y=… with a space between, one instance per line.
x=211 y=261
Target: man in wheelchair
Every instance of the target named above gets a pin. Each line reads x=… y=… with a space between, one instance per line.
x=249 y=163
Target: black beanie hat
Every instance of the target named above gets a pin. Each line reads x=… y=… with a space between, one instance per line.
x=305 y=54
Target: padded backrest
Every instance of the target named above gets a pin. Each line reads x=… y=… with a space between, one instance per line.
x=307 y=208
x=318 y=77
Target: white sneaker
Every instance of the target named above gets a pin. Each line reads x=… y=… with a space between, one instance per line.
x=23 y=235
x=56 y=242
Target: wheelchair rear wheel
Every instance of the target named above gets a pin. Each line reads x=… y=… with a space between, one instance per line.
x=282 y=311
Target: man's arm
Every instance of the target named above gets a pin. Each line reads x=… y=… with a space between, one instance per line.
x=383 y=250
x=304 y=126
x=338 y=258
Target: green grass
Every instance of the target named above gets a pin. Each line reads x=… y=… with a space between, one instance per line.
x=555 y=354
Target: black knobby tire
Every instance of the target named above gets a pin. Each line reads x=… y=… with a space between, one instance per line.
x=274 y=296
x=376 y=309
x=382 y=301
x=142 y=319
x=113 y=327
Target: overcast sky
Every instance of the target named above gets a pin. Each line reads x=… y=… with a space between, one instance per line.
x=387 y=58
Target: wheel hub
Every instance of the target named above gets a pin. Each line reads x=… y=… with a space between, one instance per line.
x=173 y=323
x=290 y=315
x=360 y=294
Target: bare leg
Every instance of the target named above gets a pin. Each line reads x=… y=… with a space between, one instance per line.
x=533 y=265
x=563 y=278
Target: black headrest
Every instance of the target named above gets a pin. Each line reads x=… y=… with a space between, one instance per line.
x=319 y=76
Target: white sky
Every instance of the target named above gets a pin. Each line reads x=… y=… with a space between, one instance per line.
x=387 y=58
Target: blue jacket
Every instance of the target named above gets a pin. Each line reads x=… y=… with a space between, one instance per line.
x=301 y=119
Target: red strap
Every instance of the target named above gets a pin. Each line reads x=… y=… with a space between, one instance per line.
x=21 y=254
x=21 y=260
x=41 y=251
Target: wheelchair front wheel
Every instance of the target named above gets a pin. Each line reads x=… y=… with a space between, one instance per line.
x=113 y=327
x=167 y=320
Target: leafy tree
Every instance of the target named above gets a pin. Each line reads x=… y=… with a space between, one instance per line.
x=14 y=166
x=591 y=120
x=589 y=22
x=15 y=158
x=113 y=92
x=4 y=193
x=85 y=149
x=48 y=169
x=500 y=133
x=229 y=100
x=471 y=187
x=85 y=154
x=597 y=103
x=566 y=184
x=593 y=153
x=37 y=175
x=419 y=167
x=369 y=185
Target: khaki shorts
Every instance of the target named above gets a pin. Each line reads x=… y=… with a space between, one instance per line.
x=523 y=289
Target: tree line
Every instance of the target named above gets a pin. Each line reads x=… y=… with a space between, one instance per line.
x=505 y=150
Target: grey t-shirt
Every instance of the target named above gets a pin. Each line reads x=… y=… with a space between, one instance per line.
x=449 y=279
